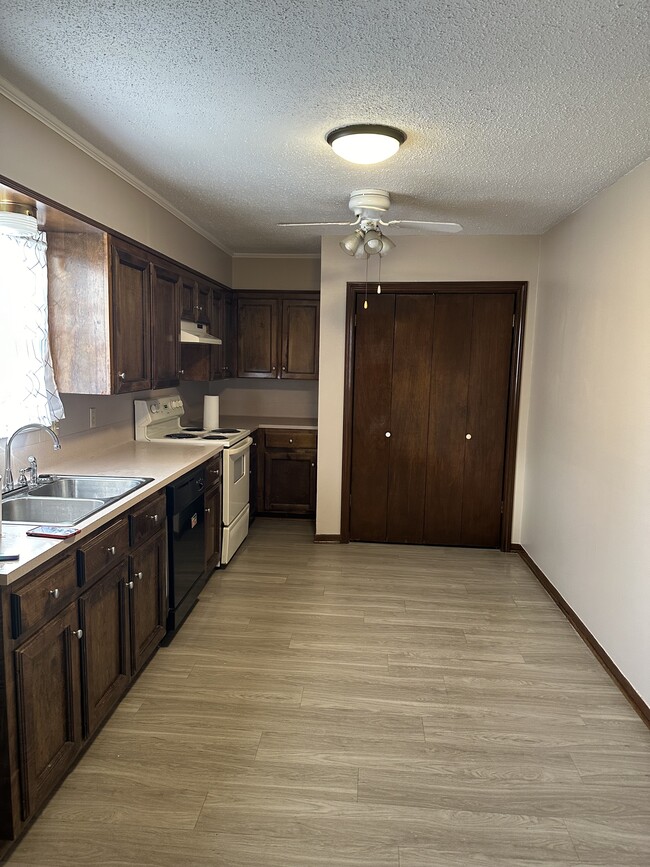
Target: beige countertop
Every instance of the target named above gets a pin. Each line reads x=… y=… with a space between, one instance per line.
x=161 y=461
x=254 y=422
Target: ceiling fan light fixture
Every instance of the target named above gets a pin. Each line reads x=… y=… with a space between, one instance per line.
x=373 y=242
x=386 y=246
x=365 y=143
x=351 y=243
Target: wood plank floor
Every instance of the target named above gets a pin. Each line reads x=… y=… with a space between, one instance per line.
x=366 y=706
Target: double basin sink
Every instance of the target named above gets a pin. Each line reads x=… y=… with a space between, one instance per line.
x=65 y=500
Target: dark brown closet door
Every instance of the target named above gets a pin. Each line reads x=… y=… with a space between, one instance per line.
x=412 y=342
x=467 y=419
x=447 y=419
x=373 y=373
x=487 y=413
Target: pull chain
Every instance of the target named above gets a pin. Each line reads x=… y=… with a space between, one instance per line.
x=379 y=277
x=365 y=302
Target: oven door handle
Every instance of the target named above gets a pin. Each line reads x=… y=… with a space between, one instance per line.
x=239 y=449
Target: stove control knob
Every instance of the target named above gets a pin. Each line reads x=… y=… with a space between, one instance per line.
x=154 y=407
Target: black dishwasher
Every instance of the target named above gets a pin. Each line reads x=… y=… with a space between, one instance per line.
x=186 y=536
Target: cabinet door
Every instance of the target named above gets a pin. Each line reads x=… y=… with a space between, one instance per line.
x=213 y=507
x=131 y=332
x=216 y=329
x=105 y=662
x=257 y=338
x=228 y=334
x=165 y=324
x=148 y=598
x=48 y=691
x=299 y=339
x=290 y=481
x=203 y=303
x=188 y=297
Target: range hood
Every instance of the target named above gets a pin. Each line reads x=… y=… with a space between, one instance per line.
x=194 y=332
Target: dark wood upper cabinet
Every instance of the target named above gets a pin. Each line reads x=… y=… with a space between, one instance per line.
x=277 y=336
x=130 y=308
x=257 y=337
x=195 y=299
x=165 y=316
x=299 y=338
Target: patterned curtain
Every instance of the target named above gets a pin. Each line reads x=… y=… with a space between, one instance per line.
x=28 y=392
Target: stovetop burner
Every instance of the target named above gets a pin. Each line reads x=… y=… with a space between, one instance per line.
x=225 y=430
x=199 y=429
x=215 y=437
x=181 y=436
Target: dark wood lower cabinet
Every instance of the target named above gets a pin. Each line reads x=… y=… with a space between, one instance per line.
x=48 y=690
x=148 y=573
x=105 y=660
x=290 y=482
x=286 y=472
x=74 y=634
x=432 y=378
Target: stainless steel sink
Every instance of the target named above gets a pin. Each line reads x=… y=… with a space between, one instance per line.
x=48 y=510
x=65 y=500
x=88 y=487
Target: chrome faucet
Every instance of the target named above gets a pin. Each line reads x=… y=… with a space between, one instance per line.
x=8 y=479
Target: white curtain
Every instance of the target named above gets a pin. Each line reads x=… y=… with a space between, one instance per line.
x=28 y=392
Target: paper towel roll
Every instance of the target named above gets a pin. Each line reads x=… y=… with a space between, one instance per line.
x=210 y=411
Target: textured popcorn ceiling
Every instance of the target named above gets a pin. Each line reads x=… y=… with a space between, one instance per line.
x=516 y=111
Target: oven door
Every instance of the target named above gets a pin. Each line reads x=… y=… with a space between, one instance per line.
x=236 y=479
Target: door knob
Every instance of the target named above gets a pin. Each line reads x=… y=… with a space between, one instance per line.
x=78 y=632
x=54 y=593
x=387 y=434
x=122 y=376
x=111 y=550
x=139 y=575
x=129 y=584
x=468 y=436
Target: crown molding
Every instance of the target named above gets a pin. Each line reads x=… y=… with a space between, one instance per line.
x=13 y=94
x=275 y=255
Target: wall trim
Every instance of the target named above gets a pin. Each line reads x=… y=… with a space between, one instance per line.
x=13 y=94
x=276 y=256
x=639 y=705
x=327 y=537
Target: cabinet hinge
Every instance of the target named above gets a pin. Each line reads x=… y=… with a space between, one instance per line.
x=514 y=319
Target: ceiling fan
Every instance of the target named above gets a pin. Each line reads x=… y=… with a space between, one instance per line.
x=369 y=206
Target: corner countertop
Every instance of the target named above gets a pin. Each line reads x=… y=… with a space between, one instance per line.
x=255 y=422
x=163 y=462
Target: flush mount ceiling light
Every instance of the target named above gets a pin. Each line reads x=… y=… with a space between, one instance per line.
x=16 y=218
x=365 y=143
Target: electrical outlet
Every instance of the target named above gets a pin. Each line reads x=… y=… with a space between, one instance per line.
x=92 y=417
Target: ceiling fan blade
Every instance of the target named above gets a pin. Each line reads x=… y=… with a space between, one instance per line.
x=424 y=224
x=346 y=223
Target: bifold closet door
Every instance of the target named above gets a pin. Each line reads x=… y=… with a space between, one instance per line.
x=373 y=374
x=389 y=437
x=410 y=387
x=468 y=410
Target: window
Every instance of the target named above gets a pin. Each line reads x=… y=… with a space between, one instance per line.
x=28 y=392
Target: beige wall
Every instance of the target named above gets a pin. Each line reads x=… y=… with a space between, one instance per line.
x=282 y=274
x=422 y=258
x=586 y=519
x=43 y=161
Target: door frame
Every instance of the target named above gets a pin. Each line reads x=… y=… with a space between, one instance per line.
x=519 y=290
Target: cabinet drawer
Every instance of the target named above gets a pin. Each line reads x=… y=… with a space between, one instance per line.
x=290 y=439
x=213 y=472
x=103 y=550
x=43 y=597
x=148 y=519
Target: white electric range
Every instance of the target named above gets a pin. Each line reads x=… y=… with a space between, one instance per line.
x=158 y=420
